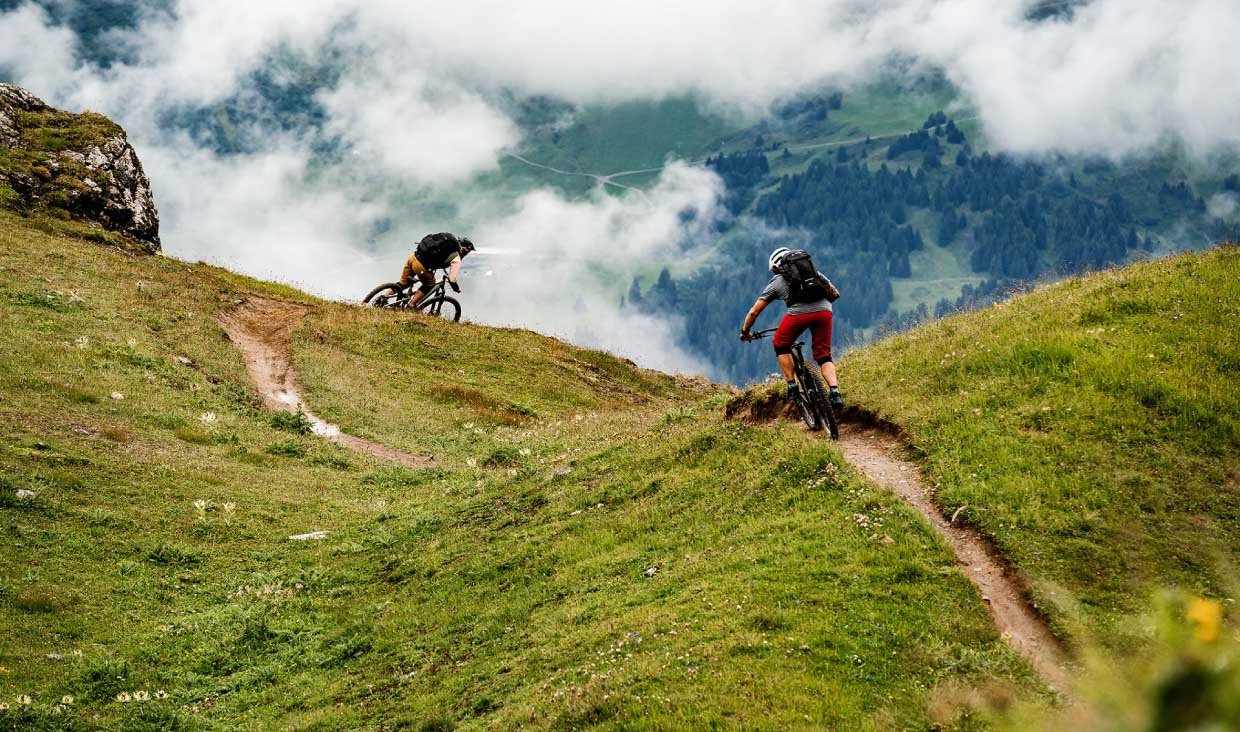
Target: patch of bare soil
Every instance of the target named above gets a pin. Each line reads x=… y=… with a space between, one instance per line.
x=262 y=329
x=877 y=454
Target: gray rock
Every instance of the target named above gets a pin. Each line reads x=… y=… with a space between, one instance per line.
x=310 y=536
x=115 y=195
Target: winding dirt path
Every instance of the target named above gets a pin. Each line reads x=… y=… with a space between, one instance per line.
x=262 y=329
x=877 y=455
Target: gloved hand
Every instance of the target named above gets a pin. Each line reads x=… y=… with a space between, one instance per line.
x=746 y=336
x=453 y=284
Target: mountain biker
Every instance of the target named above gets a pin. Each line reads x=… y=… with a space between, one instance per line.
x=435 y=251
x=808 y=307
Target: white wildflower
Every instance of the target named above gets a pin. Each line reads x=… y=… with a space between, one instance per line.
x=525 y=451
x=66 y=700
x=471 y=462
x=116 y=395
x=123 y=697
x=131 y=342
x=141 y=696
x=3 y=706
x=207 y=417
x=161 y=694
x=25 y=700
x=469 y=425
x=229 y=507
x=82 y=342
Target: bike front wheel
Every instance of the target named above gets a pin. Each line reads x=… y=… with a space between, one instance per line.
x=805 y=406
x=441 y=306
x=822 y=402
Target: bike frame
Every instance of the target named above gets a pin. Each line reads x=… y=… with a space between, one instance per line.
x=817 y=402
x=404 y=296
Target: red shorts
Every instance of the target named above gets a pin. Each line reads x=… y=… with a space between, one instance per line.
x=792 y=326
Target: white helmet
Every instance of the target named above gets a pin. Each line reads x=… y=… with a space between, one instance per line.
x=776 y=257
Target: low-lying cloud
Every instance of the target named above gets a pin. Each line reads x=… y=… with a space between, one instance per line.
x=415 y=111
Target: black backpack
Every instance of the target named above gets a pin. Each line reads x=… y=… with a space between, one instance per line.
x=436 y=250
x=804 y=282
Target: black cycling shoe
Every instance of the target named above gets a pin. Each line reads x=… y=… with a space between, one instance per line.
x=794 y=392
x=837 y=400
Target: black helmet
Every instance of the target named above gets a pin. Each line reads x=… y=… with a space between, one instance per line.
x=467 y=246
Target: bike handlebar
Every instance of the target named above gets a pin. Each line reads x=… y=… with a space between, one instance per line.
x=762 y=334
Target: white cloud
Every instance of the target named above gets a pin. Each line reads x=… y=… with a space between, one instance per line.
x=42 y=56
x=415 y=110
x=403 y=124
x=576 y=257
x=1223 y=206
x=264 y=215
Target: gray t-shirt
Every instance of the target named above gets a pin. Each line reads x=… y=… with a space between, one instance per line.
x=777 y=289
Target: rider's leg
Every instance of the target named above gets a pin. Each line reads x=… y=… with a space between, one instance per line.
x=785 y=335
x=821 y=332
x=787 y=366
x=427 y=278
x=828 y=373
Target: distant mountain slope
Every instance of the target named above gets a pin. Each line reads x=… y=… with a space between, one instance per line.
x=1092 y=428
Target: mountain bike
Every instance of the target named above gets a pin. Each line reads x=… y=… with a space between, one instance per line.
x=813 y=401
x=436 y=302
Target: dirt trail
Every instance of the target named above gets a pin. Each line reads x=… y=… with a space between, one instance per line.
x=877 y=455
x=262 y=329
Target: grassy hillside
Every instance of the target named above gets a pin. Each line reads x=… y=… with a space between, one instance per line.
x=1091 y=428
x=595 y=546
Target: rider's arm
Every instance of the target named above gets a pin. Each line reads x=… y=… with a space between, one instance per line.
x=454 y=269
x=754 y=312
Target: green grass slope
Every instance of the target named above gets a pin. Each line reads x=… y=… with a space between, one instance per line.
x=596 y=546
x=1091 y=428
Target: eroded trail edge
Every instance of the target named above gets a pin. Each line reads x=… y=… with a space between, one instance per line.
x=262 y=330
x=877 y=455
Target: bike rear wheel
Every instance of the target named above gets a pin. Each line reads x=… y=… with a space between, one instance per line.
x=383 y=296
x=441 y=306
x=822 y=401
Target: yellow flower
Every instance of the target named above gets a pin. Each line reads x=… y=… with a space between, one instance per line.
x=24 y=700
x=66 y=699
x=1207 y=618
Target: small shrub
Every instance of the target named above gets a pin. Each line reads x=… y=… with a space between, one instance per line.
x=157 y=718
x=37 y=600
x=395 y=476
x=101 y=678
x=296 y=422
x=169 y=421
x=287 y=448
x=47 y=300
x=78 y=395
x=334 y=459
x=193 y=435
x=501 y=456
x=167 y=554
x=678 y=415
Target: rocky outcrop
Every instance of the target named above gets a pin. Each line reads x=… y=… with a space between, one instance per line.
x=78 y=166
